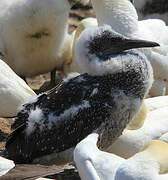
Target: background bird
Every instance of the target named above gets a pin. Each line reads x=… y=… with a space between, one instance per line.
x=103 y=100
x=5 y=165
x=94 y=164
x=34 y=35
x=13 y=91
x=71 y=65
x=148 y=164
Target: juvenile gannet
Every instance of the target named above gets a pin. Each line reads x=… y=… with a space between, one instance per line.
x=5 y=165
x=148 y=164
x=122 y=17
x=155 y=126
x=103 y=100
x=13 y=91
x=34 y=35
x=152 y=9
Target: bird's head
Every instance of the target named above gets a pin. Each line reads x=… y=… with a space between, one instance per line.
x=98 y=49
x=119 y=14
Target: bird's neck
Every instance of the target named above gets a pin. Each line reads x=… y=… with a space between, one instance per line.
x=120 y=14
x=131 y=73
x=125 y=81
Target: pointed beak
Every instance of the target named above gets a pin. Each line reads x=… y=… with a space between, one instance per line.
x=123 y=44
x=136 y=43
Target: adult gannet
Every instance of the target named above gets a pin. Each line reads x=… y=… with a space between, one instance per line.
x=122 y=17
x=94 y=164
x=148 y=164
x=152 y=9
x=5 y=165
x=71 y=65
x=34 y=35
x=13 y=91
x=103 y=100
x=154 y=126
x=149 y=104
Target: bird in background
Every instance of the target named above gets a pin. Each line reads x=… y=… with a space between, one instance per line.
x=72 y=65
x=148 y=105
x=5 y=166
x=102 y=100
x=13 y=91
x=150 y=163
x=121 y=15
x=152 y=9
x=34 y=35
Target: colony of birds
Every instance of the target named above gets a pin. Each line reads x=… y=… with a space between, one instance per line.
x=99 y=116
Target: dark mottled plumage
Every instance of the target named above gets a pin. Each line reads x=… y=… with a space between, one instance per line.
x=105 y=103
x=71 y=130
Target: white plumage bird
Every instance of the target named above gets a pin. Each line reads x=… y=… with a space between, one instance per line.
x=5 y=165
x=93 y=164
x=34 y=35
x=13 y=91
x=72 y=65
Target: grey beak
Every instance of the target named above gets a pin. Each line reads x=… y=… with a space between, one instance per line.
x=136 y=43
x=126 y=44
